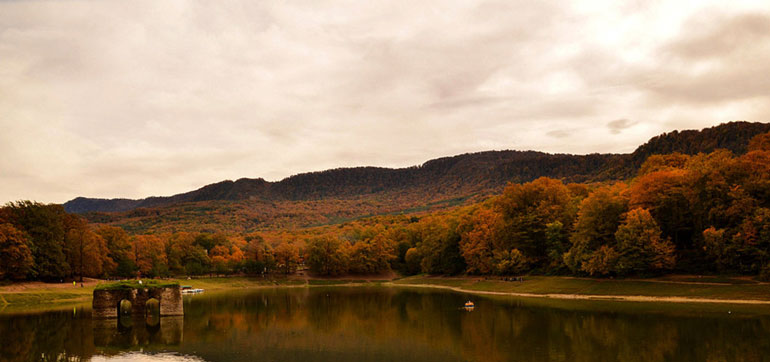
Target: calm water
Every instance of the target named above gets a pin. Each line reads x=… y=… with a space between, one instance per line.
x=384 y=324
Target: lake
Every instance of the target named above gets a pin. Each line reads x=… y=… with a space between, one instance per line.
x=394 y=324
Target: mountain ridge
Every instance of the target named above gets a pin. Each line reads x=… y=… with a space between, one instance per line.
x=450 y=176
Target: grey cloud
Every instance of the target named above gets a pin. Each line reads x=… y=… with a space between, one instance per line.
x=619 y=125
x=720 y=37
x=558 y=133
x=717 y=58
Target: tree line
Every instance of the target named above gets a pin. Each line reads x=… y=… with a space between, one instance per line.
x=703 y=213
x=43 y=242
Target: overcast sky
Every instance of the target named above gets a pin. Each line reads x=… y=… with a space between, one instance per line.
x=139 y=98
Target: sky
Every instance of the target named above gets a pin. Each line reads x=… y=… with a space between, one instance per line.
x=138 y=98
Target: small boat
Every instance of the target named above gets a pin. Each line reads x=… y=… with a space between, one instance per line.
x=186 y=289
x=469 y=305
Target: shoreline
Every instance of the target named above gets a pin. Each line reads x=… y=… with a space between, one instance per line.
x=36 y=295
x=595 y=297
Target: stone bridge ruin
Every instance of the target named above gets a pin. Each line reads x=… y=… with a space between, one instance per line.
x=137 y=301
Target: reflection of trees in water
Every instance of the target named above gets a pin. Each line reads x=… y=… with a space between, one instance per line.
x=64 y=335
x=379 y=323
x=338 y=319
x=55 y=336
x=125 y=333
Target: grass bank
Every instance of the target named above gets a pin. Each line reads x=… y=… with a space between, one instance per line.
x=679 y=290
x=36 y=294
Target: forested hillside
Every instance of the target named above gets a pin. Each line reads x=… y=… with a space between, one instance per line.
x=346 y=194
x=703 y=213
x=700 y=213
x=448 y=177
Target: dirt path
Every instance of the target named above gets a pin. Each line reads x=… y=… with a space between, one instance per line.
x=627 y=298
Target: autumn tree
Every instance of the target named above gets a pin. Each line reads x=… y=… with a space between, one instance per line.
x=666 y=162
x=16 y=262
x=439 y=245
x=480 y=234
x=597 y=221
x=667 y=196
x=413 y=259
x=44 y=225
x=86 y=251
x=527 y=210
x=640 y=246
x=149 y=254
x=326 y=255
x=508 y=262
x=287 y=257
x=258 y=255
x=236 y=259
x=370 y=256
x=118 y=246
x=601 y=262
x=717 y=248
x=186 y=255
x=744 y=248
x=760 y=142
x=209 y=241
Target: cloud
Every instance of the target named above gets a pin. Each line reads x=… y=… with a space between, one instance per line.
x=619 y=125
x=170 y=96
x=558 y=133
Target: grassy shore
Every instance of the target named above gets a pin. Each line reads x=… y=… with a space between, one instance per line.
x=663 y=289
x=17 y=296
x=669 y=289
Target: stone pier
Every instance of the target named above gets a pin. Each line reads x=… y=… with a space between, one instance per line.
x=106 y=303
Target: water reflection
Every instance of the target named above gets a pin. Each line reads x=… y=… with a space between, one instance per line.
x=354 y=324
x=126 y=333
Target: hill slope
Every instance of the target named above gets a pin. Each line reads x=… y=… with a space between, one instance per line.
x=443 y=177
x=344 y=193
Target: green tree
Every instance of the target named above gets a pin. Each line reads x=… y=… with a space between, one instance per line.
x=44 y=224
x=527 y=210
x=509 y=262
x=640 y=245
x=439 y=245
x=326 y=256
x=597 y=221
x=371 y=256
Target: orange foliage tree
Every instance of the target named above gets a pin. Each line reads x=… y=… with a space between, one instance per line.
x=86 y=250
x=287 y=257
x=479 y=238
x=149 y=254
x=16 y=260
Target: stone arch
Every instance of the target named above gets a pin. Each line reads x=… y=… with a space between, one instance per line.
x=152 y=312
x=125 y=307
x=152 y=307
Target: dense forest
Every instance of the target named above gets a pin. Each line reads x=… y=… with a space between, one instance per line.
x=707 y=212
